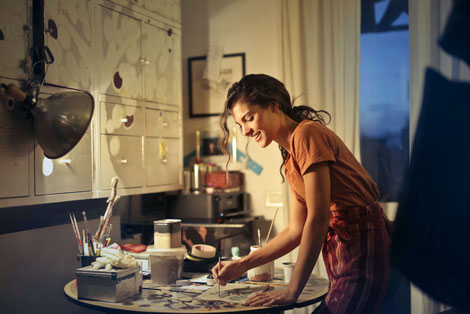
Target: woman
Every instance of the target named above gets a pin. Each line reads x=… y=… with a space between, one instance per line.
x=333 y=203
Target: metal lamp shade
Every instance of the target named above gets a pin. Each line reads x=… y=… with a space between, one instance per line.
x=61 y=120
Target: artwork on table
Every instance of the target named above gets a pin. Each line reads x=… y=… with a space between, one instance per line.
x=231 y=293
x=207 y=93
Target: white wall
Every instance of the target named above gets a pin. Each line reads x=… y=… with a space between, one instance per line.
x=252 y=27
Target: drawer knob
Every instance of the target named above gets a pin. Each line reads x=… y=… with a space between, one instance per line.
x=165 y=124
x=124 y=161
x=164 y=160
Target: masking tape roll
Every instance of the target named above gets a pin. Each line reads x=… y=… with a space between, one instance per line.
x=203 y=251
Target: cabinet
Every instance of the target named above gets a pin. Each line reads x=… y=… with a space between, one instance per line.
x=167 y=8
x=162 y=64
x=119 y=53
x=68 y=36
x=70 y=173
x=127 y=55
x=16 y=146
x=139 y=58
x=14 y=38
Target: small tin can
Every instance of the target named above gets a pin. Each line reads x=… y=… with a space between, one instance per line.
x=167 y=233
x=111 y=286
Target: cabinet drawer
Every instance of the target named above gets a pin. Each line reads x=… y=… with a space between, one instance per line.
x=71 y=173
x=162 y=161
x=121 y=119
x=167 y=8
x=121 y=156
x=161 y=123
x=162 y=65
x=15 y=14
x=69 y=39
x=119 y=49
x=15 y=146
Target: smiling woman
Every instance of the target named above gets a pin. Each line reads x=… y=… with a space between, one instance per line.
x=334 y=202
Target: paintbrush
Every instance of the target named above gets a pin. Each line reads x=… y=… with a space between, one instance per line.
x=85 y=220
x=75 y=233
x=218 y=284
x=271 y=227
x=78 y=233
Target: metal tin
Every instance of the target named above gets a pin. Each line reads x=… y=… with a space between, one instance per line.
x=111 y=286
x=167 y=233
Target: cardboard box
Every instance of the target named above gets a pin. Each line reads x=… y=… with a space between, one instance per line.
x=218 y=179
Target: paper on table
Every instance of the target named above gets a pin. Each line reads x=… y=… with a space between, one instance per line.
x=198 y=278
x=232 y=293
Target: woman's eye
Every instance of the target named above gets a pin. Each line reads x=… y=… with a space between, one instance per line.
x=250 y=118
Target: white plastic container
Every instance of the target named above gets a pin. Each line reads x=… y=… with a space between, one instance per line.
x=166 y=265
x=288 y=269
x=261 y=273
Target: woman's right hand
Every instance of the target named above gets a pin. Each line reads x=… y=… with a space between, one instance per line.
x=229 y=271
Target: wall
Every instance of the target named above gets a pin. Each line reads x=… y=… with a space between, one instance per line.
x=252 y=27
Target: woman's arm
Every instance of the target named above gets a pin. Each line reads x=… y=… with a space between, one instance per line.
x=287 y=240
x=314 y=229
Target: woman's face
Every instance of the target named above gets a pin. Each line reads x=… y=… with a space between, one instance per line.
x=259 y=123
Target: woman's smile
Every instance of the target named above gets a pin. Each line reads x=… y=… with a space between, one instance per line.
x=257 y=136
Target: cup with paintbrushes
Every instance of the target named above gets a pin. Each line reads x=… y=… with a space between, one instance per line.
x=264 y=272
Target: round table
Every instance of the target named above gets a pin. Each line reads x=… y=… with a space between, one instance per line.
x=166 y=300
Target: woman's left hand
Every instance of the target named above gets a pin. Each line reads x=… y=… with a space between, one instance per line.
x=270 y=298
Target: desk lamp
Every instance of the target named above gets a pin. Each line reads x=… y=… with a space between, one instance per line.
x=59 y=121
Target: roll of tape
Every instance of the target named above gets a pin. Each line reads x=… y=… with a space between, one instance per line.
x=183 y=282
x=203 y=251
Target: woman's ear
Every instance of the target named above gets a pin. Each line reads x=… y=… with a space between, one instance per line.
x=274 y=107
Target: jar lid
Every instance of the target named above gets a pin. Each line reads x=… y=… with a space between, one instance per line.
x=151 y=248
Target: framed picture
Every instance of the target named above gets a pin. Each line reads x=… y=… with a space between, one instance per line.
x=207 y=97
x=210 y=146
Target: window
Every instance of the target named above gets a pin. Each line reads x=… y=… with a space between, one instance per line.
x=384 y=96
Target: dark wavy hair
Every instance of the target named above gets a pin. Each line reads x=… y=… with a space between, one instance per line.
x=264 y=91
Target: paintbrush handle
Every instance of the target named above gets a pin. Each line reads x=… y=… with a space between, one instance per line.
x=108 y=219
x=271 y=227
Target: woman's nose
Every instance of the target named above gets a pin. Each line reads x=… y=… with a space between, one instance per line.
x=246 y=130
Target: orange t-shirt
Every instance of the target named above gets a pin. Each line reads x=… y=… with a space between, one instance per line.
x=312 y=142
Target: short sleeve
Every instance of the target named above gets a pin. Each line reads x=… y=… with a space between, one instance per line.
x=311 y=145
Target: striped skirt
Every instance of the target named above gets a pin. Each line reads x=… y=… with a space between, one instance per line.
x=356 y=254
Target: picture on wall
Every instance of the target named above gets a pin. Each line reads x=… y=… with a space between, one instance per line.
x=207 y=96
x=210 y=146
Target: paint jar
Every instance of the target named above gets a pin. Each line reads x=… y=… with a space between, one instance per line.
x=196 y=179
x=166 y=265
x=261 y=273
x=167 y=233
x=187 y=182
x=288 y=268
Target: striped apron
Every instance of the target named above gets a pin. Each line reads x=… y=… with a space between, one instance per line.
x=356 y=254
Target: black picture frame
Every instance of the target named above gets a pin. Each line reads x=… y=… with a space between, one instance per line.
x=205 y=100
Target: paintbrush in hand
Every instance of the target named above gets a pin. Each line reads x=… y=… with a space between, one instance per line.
x=218 y=283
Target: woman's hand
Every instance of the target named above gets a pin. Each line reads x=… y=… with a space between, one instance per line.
x=270 y=298
x=229 y=271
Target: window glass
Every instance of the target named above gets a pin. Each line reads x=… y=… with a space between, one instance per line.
x=385 y=93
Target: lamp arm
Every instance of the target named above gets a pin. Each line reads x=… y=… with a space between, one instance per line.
x=13 y=91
